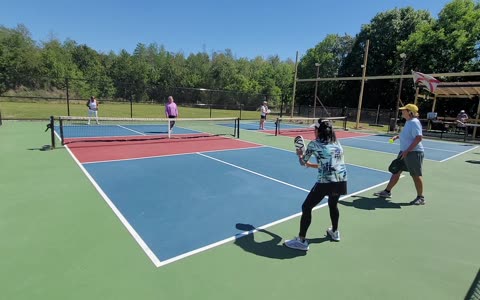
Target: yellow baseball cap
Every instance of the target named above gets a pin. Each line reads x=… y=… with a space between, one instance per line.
x=410 y=107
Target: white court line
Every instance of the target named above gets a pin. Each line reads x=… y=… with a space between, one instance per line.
x=375 y=141
x=173 y=259
x=368 y=168
x=253 y=172
x=383 y=152
x=119 y=215
x=141 y=133
x=167 y=155
x=459 y=154
x=240 y=235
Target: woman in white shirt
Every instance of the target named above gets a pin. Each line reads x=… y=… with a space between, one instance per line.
x=263 y=115
x=92 y=105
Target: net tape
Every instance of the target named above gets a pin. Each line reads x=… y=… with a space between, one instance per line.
x=298 y=125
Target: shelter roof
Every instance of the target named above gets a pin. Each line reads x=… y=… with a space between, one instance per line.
x=457 y=89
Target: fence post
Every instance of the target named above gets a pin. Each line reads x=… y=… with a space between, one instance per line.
x=68 y=97
x=281 y=106
x=131 y=107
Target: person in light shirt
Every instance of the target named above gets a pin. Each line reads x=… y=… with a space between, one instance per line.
x=411 y=153
x=263 y=115
x=92 y=105
x=462 y=117
x=171 y=110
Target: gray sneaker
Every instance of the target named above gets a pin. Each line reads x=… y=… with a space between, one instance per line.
x=420 y=200
x=383 y=194
x=334 y=235
x=296 y=243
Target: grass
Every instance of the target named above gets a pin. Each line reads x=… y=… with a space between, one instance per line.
x=45 y=109
x=31 y=110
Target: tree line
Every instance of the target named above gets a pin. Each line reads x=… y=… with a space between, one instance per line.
x=448 y=43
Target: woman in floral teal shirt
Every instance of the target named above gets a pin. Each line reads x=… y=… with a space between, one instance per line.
x=331 y=181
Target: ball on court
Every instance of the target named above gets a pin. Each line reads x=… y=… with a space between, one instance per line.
x=391 y=141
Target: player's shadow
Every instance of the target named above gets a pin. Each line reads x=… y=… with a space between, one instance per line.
x=476 y=162
x=43 y=148
x=272 y=248
x=372 y=203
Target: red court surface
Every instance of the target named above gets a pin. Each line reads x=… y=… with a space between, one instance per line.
x=97 y=151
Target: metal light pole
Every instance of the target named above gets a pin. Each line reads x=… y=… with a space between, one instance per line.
x=403 y=56
x=316 y=89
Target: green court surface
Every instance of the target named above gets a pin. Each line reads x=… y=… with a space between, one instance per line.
x=60 y=240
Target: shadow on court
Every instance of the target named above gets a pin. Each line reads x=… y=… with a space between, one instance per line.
x=474 y=291
x=272 y=248
x=43 y=148
x=372 y=203
x=475 y=162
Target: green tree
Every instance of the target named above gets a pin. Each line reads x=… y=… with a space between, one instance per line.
x=91 y=65
x=386 y=32
x=329 y=54
x=19 y=59
x=451 y=44
x=120 y=73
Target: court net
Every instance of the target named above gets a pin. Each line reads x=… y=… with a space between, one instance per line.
x=83 y=129
x=289 y=126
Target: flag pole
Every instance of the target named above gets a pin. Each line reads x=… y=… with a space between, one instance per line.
x=294 y=85
x=417 y=90
x=397 y=108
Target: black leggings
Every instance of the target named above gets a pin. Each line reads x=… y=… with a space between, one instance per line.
x=313 y=198
x=172 y=122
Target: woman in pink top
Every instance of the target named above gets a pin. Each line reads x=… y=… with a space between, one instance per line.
x=171 y=110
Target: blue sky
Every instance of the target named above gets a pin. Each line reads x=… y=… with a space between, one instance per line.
x=249 y=28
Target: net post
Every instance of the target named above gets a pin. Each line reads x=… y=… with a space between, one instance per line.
x=169 y=128
x=235 y=128
x=238 y=127
x=61 y=131
x=52 y=131
x=277 y=127
x=0 y=117
x=345 y=123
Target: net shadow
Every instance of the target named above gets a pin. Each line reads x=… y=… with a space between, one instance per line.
x=474 y=291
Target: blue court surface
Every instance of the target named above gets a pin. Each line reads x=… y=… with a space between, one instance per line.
x=178 y=205
x=434 y=150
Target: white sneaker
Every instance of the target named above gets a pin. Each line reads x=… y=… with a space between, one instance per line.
x=297 y=243
x=420 y=200
x=383 y=194
x=334 y=235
